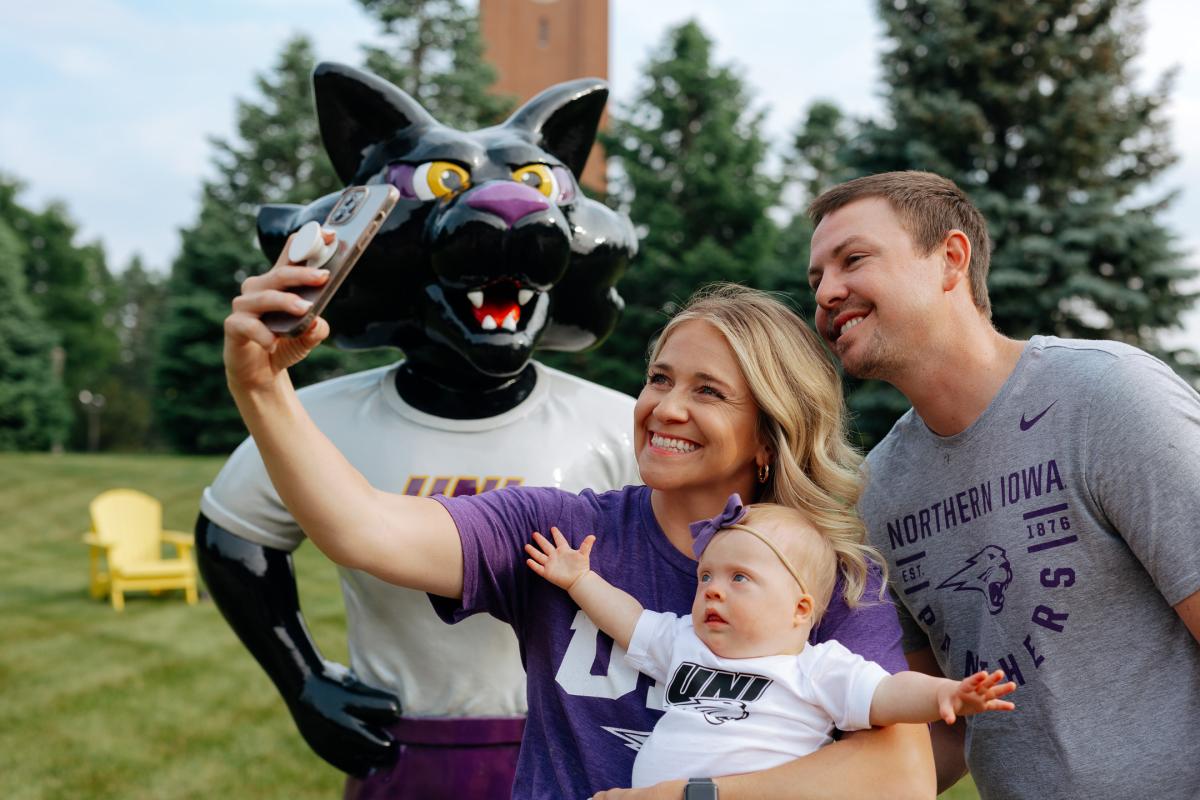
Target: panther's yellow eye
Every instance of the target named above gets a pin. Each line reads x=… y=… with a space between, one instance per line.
x=538 y=176
x=436 y=179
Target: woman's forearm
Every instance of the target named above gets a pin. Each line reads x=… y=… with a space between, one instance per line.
x=892 y=762
x=404 y=540
x=321 y=490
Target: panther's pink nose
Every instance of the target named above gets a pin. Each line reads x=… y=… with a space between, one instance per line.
x=508 y=200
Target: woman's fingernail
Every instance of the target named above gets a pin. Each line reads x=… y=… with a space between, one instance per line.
x=301 y=304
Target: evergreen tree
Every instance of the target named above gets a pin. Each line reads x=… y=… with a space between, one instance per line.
x=436 y=55
x=692 y=177
x=139 y=299
x=820 y=158
x=71 y=290
x=34 y=413
x=815 y=161
x=1032 y=109
x=277 y=157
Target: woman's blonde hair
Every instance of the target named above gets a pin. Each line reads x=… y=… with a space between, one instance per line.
x=801 y=416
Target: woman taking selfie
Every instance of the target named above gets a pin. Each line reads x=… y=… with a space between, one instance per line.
x=739 y=397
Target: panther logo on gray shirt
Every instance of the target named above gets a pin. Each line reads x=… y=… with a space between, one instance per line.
x=987 y=572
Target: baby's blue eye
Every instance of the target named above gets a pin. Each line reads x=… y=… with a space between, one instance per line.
x=705 y=578
x=739 y=578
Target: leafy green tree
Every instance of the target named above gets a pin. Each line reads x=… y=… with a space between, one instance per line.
x=435 y=53
x=1032 y=108
x=71 y=288
x=34 y=414
x=692 y=175
x=276 y=157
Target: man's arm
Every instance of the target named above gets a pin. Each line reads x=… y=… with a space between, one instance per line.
x=892 y=762
x=1154 y=517
x=1189 y=611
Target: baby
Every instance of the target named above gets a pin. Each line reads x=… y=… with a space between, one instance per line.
x=745 y=690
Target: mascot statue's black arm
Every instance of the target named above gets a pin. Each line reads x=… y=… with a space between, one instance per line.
x=492 y=252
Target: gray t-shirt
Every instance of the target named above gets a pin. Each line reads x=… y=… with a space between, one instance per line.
x=1051 y=539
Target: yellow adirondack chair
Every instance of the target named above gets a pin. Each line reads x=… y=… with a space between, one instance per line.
x=127 y=532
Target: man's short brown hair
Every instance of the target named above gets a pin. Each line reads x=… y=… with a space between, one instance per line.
x=929 y=207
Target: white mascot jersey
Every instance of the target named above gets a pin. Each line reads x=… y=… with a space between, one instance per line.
x=568 y=433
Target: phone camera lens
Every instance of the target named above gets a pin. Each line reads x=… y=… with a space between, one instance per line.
x=346 y=207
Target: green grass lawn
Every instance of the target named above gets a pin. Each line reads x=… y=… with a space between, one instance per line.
x=158 y=702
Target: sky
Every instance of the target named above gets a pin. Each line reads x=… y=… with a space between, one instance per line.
x=110 y=105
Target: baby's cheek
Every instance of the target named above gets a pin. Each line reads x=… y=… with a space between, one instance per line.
x=705 y=636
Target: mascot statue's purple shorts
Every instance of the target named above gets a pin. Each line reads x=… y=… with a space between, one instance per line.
x=492 y=252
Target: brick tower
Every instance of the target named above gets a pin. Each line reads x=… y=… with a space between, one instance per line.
x=536 y=43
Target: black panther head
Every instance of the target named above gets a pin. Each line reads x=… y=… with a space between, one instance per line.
x=492 y=250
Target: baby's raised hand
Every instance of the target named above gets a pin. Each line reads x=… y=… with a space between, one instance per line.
x=559 y=563
x=974 y=694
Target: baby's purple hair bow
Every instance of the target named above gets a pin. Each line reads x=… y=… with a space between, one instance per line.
x=704 y=530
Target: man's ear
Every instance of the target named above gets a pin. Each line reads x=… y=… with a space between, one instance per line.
x=956 y=259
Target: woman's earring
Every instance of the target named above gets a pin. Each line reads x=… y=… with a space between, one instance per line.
x=764 y=473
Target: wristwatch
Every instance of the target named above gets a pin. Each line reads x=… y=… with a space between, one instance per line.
x=700 y=789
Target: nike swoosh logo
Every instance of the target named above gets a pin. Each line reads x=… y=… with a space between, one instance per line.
x=1027 y=424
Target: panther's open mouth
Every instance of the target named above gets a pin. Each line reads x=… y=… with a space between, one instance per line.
x=497 y=305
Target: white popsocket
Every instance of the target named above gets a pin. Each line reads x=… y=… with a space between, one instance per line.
x=308 y=246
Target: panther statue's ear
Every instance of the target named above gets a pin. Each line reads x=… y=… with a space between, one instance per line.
x=276 y=222
x=563 y=119
x=356 y=110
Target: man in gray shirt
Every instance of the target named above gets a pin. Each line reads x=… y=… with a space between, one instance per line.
x=1037 y=506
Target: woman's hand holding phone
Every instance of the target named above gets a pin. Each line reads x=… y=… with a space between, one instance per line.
x=289 y=298
x=255 y=356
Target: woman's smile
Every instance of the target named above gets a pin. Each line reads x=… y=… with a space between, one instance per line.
x=672 y=445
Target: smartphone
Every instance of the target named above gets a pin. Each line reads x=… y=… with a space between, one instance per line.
x=355 y=218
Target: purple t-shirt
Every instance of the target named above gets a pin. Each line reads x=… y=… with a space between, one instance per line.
x=589 y=711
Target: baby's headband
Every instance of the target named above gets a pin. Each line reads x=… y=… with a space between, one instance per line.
x=730 y=519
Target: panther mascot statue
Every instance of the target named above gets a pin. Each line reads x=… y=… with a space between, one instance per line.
x=491 y=252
